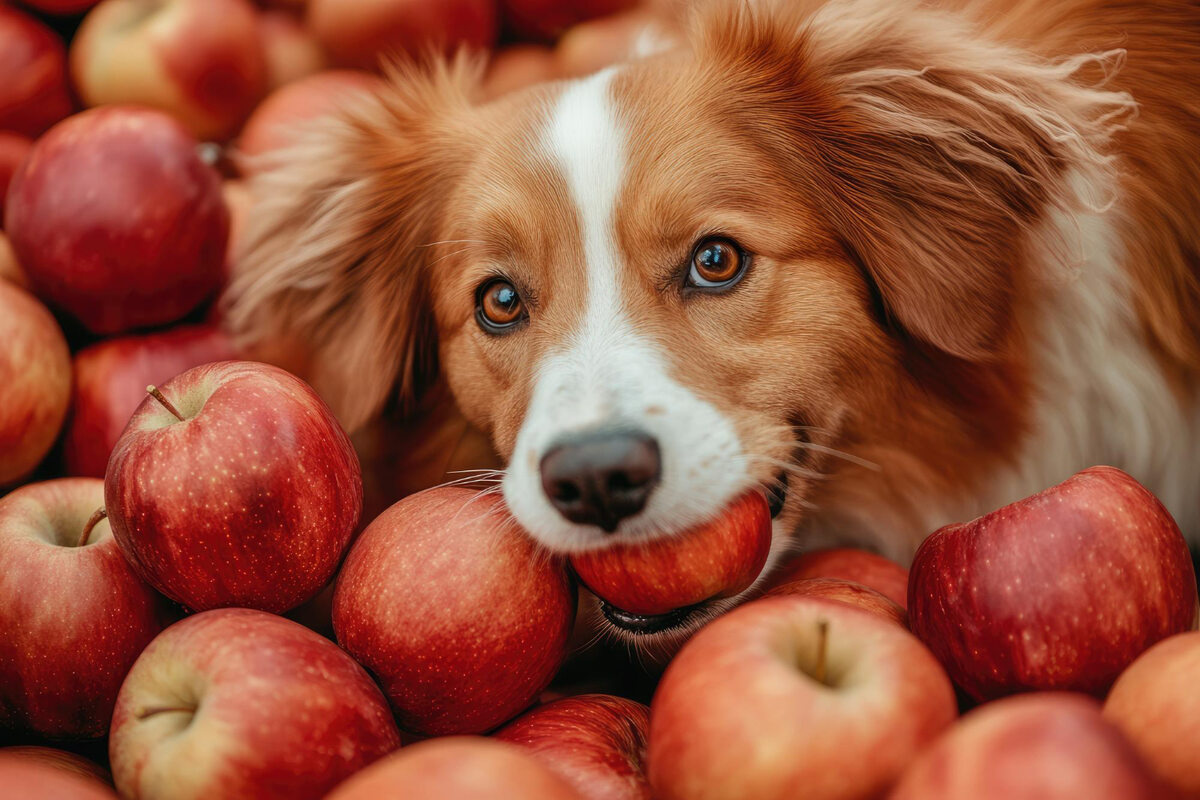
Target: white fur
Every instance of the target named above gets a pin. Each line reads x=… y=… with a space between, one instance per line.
x=606 y=374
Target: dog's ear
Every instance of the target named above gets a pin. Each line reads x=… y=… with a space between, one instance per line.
x=931 y=149
x=334 y=262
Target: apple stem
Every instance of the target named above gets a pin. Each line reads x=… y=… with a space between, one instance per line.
x=146 y=713
x=167 y=404
x=91 y=523
x=822 y=646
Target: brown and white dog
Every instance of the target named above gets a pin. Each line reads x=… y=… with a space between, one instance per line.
x=898 y=262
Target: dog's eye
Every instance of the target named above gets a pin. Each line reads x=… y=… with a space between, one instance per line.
x=498 y=306
x=716 y=264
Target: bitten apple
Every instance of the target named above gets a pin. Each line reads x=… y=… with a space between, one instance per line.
x=33 y=74
x=236 y=703
x=74 y=615
x=595 y=742
x=849 y=592
x=454 y=610
x=359 y=33
x=1061 y=590
x=117 y=221
x=23 y=778
x=849 y=564
x=718 y=559
x=1156 y=705
x=1049 y=746
x=234 y=486
x=110 y=380
x=794 y=696
x=35 y=382
x=201 y=61
x=456 y=768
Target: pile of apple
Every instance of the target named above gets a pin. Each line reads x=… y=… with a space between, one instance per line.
x=170 y=515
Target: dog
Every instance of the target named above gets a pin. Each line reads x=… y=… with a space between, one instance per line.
x=896 y=263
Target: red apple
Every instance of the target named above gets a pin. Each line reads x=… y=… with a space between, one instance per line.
x=849 y=592
x=236 y=703
x=1061 y=590
x=13 y=149
x=291 y=51
x=117 y=221
x=201 y=61
x=74 y=615
x=274 y=124
x=548 y=19
x=61 y=760
x=517 y=67
x=248 y=496
x=595 y=742
x=23 y=778
x=61 y=7
x=455 y=611
x=1156 y=705
x=359 y=33
x=794 y=697
x=33 y=74
x=1052 y=746
x=849 y=564
x=110 y=383
x=35 y=382
x=456 y=768
x=718 y=559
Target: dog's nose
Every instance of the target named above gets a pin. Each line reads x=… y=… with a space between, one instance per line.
x=602 y=477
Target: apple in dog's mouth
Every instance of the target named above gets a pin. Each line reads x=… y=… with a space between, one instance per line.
x=651 y=587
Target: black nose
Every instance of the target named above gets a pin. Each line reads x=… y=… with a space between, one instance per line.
x=602 y=477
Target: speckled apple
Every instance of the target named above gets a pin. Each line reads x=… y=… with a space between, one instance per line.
x=1047 y=746
x=74 y=616
x=201 y=61
x=243 y=705
x=849 y=564
x=110 y=380
x=596 y=742
x=35 y=382
x=849 y=592
x=249 y=500
x=454 y=610
x=116 y=220
x=720 y=558
x=1061 y=590
x=791 y=697
x=457 y=768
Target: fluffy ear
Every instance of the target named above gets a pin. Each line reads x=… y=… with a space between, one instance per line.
x=334 y=265
x=932 y=149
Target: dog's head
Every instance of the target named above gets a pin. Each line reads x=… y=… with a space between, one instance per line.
x=789 y=253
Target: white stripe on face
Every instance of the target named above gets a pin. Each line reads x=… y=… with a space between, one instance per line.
x=607 y=375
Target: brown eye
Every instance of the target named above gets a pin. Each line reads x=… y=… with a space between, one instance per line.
x=498 y=306
x=716 y=264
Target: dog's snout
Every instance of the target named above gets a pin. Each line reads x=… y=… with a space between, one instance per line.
x=600 y=478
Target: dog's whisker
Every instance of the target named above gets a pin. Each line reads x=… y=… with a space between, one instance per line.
x=832 y=451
